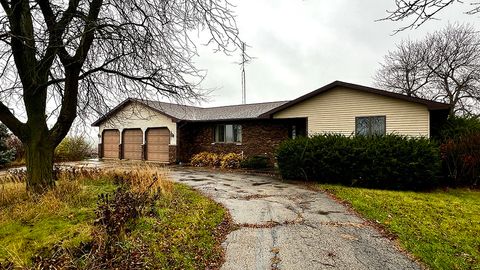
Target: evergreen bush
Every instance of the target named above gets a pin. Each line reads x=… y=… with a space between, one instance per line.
x=255 y=162
x=6 y=154
x=390 y=162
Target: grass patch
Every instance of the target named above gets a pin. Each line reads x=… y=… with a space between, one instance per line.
x=29 y=224
x=442 y=228
x=185 y=235
x=180 y=230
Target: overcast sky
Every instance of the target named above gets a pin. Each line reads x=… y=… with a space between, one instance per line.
x=300 y=46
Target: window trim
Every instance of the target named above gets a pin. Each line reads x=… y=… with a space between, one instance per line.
x=225 y=134
x=371 y=116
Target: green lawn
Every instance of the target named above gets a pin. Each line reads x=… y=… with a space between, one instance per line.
x=27 y=226
x=441 y=228
x=183 y=234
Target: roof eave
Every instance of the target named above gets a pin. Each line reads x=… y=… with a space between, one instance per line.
x=123 y=104
x=109 y=113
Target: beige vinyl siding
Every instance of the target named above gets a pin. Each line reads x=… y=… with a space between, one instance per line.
x=135 y=115
x=334 y=111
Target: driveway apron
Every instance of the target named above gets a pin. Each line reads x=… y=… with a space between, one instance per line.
x=285 y=226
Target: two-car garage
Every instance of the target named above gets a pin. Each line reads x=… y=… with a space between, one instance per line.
x=156 y=146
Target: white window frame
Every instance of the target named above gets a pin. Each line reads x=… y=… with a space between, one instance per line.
x=232 y=133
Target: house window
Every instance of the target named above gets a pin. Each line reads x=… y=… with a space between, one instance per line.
x=370 y=125
x=228 y=133
x=294 y=132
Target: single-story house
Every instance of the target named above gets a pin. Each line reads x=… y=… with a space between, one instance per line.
x=166 y=132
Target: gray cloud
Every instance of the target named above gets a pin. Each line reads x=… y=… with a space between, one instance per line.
x=302 y=45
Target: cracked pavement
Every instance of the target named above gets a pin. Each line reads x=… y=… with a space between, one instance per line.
x=286 y=226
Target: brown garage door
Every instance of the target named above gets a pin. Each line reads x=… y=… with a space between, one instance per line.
x=111 y=139
x=157 y=144
x=132 y=144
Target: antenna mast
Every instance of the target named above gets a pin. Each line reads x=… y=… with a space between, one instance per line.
x=244 y=86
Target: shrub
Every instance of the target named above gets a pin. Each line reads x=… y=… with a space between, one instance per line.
x=72 y=149
x=255 y=162
x=458 y=126
x=461 y=159
x=206 y=159
x=231 y=161
x=6 y=154
x=391 y=161
x=13 y=142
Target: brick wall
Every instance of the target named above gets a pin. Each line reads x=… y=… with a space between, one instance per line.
x=172 y=153
x=259 y=137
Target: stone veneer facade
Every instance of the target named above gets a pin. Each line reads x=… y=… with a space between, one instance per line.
x=259 y=137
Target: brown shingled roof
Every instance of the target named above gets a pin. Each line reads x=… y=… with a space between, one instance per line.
x=180 y=112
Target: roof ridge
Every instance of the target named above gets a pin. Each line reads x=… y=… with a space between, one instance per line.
x=199 y=107
x=169 y=103
x=235 y=105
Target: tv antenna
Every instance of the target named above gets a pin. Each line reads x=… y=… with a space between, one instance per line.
x=245 y=60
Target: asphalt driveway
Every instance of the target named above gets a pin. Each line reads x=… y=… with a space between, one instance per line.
x=285 y=226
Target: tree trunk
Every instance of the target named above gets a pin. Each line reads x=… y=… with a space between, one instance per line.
x=39 y=161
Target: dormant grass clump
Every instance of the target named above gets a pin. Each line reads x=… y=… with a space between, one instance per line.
x=143 y=178
x=70 y=189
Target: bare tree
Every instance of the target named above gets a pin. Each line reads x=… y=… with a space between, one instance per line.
x=403 y=70
x=444 y=66
x=454 y=59
x=421 y=11
x=79 y=54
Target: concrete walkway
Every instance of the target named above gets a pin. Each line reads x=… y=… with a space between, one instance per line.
x=285 y=226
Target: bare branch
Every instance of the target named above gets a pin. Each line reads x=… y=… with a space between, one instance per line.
x=443 y=66
x=7 y=118
x=421 y=11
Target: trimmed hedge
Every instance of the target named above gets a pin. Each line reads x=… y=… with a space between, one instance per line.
x=390 y=162
x=255 y=162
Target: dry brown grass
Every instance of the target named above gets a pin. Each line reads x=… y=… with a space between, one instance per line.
x=11 y=193
x=143 y=178
x=17 y=202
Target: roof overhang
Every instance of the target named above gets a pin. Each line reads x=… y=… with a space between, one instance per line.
x=122 y=105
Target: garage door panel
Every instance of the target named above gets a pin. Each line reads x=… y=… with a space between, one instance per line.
x=132 y=144
x=111 y=140
x=157 y=144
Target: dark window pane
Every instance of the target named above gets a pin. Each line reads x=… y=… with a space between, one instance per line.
x=220 y=133
x=228 y=133
x=377 y=125
x=237 y=133
x=362 y=126
x=368 y=126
